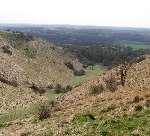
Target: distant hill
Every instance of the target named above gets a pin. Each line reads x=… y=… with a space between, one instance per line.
x=84 y=35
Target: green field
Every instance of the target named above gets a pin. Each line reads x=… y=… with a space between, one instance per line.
x=135 y=45
x=138 y=46
x=90 y=73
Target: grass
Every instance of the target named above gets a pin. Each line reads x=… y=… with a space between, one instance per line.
x=89 y=74
x=118 y=126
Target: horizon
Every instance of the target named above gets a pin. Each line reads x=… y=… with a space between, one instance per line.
x=69 y=25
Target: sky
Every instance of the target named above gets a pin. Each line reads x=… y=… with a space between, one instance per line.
x=128 y=13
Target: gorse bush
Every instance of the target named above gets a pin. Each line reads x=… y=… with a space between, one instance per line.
x=96 y=89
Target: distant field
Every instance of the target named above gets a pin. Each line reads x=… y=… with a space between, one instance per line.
x=90 y=74
x=135 y=45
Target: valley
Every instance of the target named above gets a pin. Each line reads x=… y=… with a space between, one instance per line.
x=87 y=84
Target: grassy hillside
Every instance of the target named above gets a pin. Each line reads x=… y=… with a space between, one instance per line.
x=36 y=98
x=31 y=70
x=43 y=62
x=91 y=72
x=82 y=112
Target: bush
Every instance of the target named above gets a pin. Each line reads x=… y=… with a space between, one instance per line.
x=79 y=72
x=96 y=89
x=68 y=88
x=111 y=83
x=138 y=108
x=43 y=112
x=147 y=103
x=38 y=89
x=7 y=50
x=59 y=89
x=50 y=86
x=136 y=99
x=30 y=52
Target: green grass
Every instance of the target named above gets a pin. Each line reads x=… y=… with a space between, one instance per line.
x=119 y=126
x=89 y=74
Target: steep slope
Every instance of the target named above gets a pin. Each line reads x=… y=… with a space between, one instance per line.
x=39 y=61
x=80 y=112
x=137 y=83
x=29 y=65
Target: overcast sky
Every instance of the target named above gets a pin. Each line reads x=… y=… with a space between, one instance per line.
x=132 y=13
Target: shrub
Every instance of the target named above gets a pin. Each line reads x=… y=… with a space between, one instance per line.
x=138 y=108
x=147 y=103
x=69 y=65
x=68 y=88
x=136 y=99
x=50 y=86
x=111 y=83
x=30 y=52
x=25 y=134
x=37 y=89
x=139 y=59
x=7 y=50
x=79 y=72
x=43 y=112
x=59 y=89
x=96 y=89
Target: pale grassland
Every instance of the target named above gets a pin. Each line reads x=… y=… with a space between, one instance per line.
x=90 y=73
